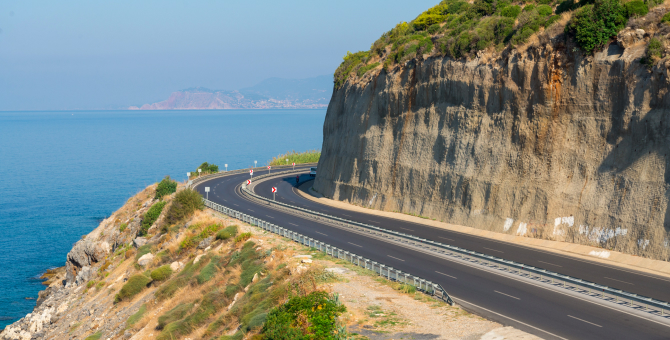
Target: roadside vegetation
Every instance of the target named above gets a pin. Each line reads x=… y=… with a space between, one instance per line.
x=165 y=187
x=459 y=29
x=205 y=169
x=310 y=156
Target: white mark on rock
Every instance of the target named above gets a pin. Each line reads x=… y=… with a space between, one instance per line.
x=508 y=224
x=522 y=229
x=643 y=243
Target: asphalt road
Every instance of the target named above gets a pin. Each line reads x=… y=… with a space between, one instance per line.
x=546 y=313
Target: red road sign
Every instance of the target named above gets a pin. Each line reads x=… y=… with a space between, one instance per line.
x=293 y=164
x=274 y=189
x=248 y=181
x=268 y=167
x=251 y=171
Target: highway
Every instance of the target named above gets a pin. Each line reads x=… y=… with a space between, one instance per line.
x=546 y=313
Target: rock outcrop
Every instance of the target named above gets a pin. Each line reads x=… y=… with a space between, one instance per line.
x=540 y=141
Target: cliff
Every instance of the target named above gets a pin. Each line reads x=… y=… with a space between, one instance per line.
x=540 y=140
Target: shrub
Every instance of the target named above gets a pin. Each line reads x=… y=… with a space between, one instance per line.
x=174 y=314
x=161 y=273
x=654 y=51
x=529 y=8
x=593 y=25
x=544 y=10
x=166 y=187
x=320 y=310
x=184 y=204
x=208 y=271
x=227 y=233
x=133 y=319
x=310 y=156
x=432 y=16
x=351 y=60
x=636 y=8
x=511 y=11
x=134 y=286
x=95 y=336
x=207 y=168
x=666 y=17
x=366 y=68
x=123 y=227
x=565 y=6
x=242 y=237
x=433 y=28
x=143 y=250
x=151 y=216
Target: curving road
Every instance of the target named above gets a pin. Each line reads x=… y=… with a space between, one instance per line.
x=546 y=313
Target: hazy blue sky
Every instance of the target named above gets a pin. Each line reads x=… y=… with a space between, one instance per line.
x=58 y=55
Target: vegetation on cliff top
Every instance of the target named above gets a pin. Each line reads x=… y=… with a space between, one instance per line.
x=459 y=29
x=310 y=156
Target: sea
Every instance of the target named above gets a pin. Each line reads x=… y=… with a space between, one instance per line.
x=63 y=172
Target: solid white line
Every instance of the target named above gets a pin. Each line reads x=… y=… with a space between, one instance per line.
x=396 y=258
x=618 y=280
x=507 y=317
x=549 y=263
x=320 y=233
x=355 y=244
x=453 y=277
x=494 y=250
x=445 y=238
x=513 y=297
x=585 y=321
x=406 y=229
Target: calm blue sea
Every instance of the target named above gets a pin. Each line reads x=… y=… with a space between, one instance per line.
x=61 y=173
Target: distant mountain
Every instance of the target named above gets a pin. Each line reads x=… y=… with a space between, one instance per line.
x=271 y=93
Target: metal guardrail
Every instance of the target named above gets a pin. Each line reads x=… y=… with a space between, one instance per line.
x=390 y=273
x=592 y=289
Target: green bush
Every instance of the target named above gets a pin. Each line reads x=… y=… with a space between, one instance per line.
x=242 y=237
x=151 y=216
x=432 y=29
x=594 y=25
x=165 y=187
x=95 y=336
x=310 y=156
x=161 y=273
x=565 y=6
x=227 y=233
x=133 y=319
x=134 y=286
x=529 y=8
x=206 y=168
x=636 y=8
x=175 y=314
x=366 y=68
x=320 y=310
x=351 y=60
x=185 y=203
x=123 y=227
x=511 y=11
x=666 y=17
x=544 y=10
x=143 y=250
x=430 y=17
x=208 y=271
x=654 y=51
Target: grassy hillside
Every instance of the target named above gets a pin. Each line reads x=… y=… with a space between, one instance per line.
x=459 y=29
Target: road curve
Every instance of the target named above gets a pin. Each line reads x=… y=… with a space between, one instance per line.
x=546 y=313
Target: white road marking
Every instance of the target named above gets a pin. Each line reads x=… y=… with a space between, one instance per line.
x=251 y=210
x=585 y=321
x=235 y=205
x=406 y=229
x=293 y=224
x=346 y=215
x=494 y=250
x=549 y=263
x=355 y=244
x=320 y=233
x=453 y=277
x=619 y=280
x=374 y=221
x=446 y=238
x=395 y=258
x=513 y=297
x=269 y=216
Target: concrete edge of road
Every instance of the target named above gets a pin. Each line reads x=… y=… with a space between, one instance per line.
x=520 y=278
x=577 y=251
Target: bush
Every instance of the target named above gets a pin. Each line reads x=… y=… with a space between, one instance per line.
x=134 y=286
x=95 y=336
x=151 y=216
x=666 y=17
x=161 y=273
x=320 y=310
x=529 y=8
x=366 y=68
x=208 y=271
x=165 y=187
x=310 y=156
x=430 y=17
x=133 y=319
x=227 y=233
x=174 y=314
x=351 y=60
x=544 y=10
x=511 y=11
x=207 y=168
x=123 y=227
x=242 y=237
x=654 y=51
x=565 y=6
x=594 y=25
x=636 y=8
x=184 y=204
x=143 y=250
x=433 y=28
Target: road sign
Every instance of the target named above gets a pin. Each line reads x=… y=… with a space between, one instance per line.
x=199 y=171
x=293 y=165
x=268 y=169
x=188 y=175
x=248 y=181
x=251 y=171
x=274 y=189
x=226 y=167
x=207 y=192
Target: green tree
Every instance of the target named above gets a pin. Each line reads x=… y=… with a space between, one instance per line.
x=166 y=187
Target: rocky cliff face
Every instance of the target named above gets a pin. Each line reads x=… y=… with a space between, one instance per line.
x=542 y=142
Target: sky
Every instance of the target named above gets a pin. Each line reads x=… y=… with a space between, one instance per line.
x=86 y=55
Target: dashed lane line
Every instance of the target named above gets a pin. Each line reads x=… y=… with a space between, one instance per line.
x=513 y=297
x=549 y=263
x=320 y=233
x=355 y=244
x=619 y=280
x=393 y=257
x=453 y=277
x=582 y=320
x=406 y=229
x=500 y=251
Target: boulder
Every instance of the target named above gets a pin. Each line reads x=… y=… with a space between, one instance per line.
x=84 y=253
x=176 y=266
x=306 y=261
x=197 y=258
x=139 y=241
x=84 y=275
x=206 y=242
x=145 y=259
x=629 y=37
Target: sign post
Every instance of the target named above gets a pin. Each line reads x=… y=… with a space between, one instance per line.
x=207 y=192
x=255 y=163
x=248 y=182
x=293 y=165
x=226 y=167
x=199 y=171
x=287 y=161
x=274 y=191
x=268 y=169
x=188 y=175
x=251 y=173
